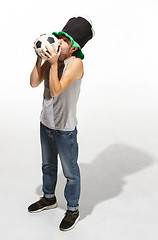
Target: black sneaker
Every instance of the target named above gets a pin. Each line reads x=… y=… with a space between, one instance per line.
x=43 y=204
x=69 y=221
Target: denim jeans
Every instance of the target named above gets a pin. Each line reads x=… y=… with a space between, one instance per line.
x=64 y=144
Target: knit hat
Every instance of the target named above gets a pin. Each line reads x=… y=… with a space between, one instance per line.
x=79 y=30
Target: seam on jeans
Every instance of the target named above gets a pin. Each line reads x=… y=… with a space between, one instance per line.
x=72 y=147
x=72 y=143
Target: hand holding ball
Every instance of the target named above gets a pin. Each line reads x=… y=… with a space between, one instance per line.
x=43 y=41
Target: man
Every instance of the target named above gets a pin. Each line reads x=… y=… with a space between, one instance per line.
x=62 y=74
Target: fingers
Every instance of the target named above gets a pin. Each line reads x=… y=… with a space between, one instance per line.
x=53 y=46
x=53 y=50
x=49 y=50
x=50 y=54
x=59 y=51
x=45 y=54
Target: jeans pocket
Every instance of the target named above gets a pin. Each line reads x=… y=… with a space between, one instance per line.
x=64 y=133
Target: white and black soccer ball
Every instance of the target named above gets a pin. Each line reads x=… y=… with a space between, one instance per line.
x=42 y=41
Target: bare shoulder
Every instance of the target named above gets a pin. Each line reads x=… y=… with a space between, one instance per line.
x=76 y=62
x=75 y=66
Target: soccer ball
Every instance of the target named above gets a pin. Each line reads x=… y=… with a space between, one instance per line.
x=42 y=41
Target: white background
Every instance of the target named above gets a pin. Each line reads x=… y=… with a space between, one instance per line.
x=117 y=114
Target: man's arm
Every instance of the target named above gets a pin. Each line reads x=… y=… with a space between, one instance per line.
x=73 y=72
x=37 y=74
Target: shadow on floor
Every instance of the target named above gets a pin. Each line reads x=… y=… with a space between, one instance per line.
x=104 y=178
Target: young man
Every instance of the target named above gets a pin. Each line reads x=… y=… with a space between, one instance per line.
x=62 y=74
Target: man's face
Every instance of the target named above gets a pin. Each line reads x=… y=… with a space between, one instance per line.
x=66 y=48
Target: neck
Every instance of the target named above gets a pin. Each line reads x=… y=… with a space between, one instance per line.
x=67 y=58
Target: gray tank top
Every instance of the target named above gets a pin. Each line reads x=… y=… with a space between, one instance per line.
x=59 y=112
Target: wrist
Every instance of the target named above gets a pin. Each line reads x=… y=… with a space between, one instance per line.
x=54 y=64
x=38 y=61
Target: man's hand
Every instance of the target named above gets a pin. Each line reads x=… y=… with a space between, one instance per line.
x=51 y=55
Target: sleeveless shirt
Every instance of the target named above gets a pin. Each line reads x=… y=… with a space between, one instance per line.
x=59 y=112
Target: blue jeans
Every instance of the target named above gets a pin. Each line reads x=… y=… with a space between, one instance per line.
x=64 y=143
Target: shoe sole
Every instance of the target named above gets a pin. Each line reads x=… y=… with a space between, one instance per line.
x=77 y=220
x=44 y=208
